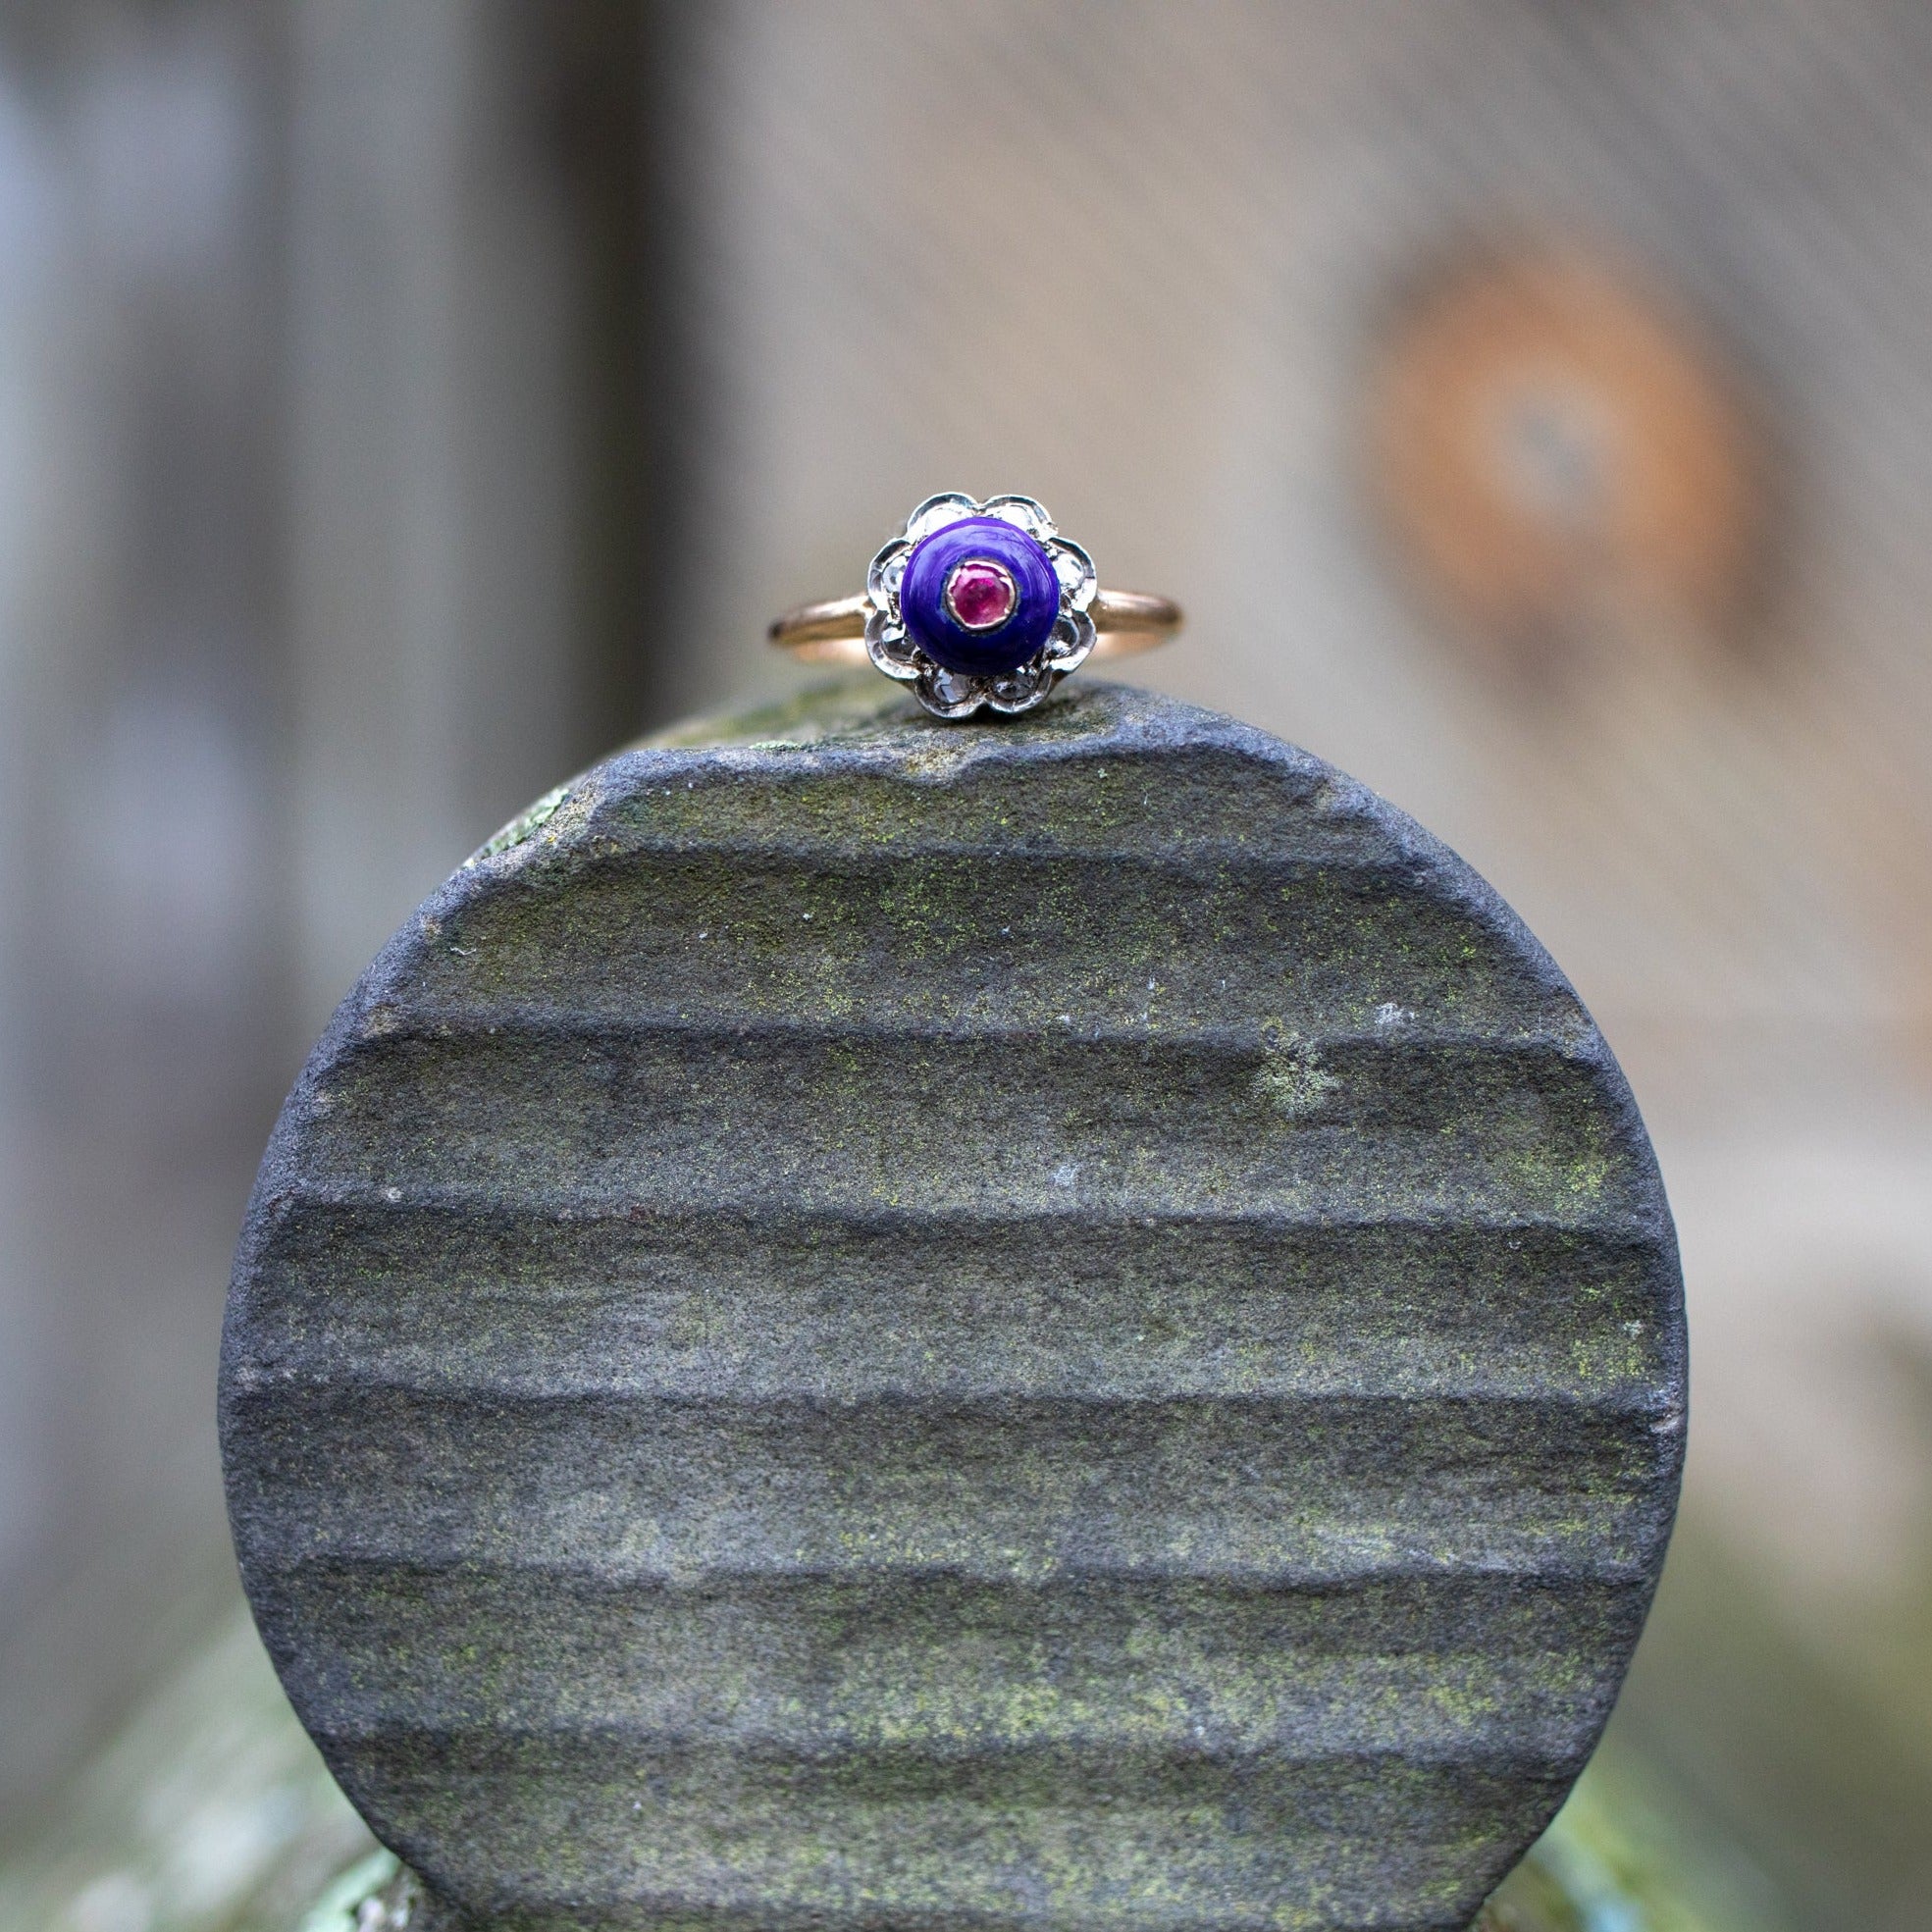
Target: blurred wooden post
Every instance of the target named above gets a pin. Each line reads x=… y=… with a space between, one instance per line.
x=327 y=490
x=471 y=313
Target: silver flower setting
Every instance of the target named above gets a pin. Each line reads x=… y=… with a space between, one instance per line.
x=1004 y=655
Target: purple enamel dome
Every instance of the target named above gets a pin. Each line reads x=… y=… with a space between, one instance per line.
x=929 y=612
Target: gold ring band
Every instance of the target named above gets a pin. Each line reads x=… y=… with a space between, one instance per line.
x=834 y=632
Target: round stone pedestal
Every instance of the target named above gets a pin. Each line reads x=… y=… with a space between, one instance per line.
x=1060 y=1324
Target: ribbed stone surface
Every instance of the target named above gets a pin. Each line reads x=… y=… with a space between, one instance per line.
x=1065 y=1324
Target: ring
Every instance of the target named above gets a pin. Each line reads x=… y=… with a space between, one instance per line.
x=979 y=605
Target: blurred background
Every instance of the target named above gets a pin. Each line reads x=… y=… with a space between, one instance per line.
x=1531 y=400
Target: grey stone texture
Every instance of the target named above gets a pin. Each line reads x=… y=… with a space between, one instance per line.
x=872 y=1324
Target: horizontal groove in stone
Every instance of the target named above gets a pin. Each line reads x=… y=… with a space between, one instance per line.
x=1541 y=1571
x=813 y=1121
x=1042 y=1781
x=1121 y=1841
x=1390 y=1056
x=732 y=1908
x=690 y=1304
x=539 y=1026
x=560 y=1209
x=969 y=940
x=822 y=1667
x=993 y=1487
x=959 y=1757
